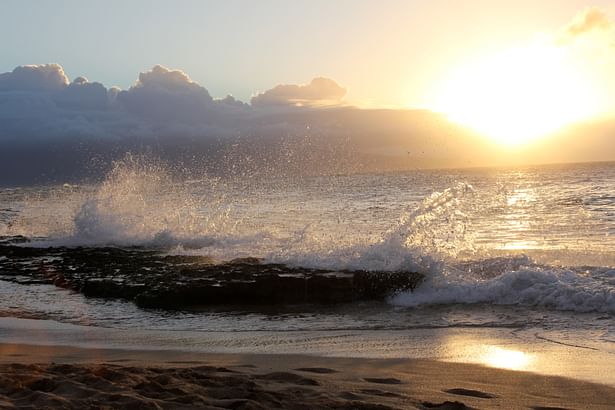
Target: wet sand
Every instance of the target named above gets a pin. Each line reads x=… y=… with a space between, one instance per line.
x=34 y=376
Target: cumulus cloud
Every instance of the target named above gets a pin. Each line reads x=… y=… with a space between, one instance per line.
x=232 y=101
x=45 y=77
x=53 y=127
x=320 y=91
x=39 y=100
x=164 y=79
x=83 y=95
x=166 y=94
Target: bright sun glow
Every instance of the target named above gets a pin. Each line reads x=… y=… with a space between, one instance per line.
x=519 y=94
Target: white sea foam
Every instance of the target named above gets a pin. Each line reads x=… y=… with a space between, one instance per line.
x=532 y=285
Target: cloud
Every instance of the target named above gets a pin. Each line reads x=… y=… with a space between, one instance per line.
x=320 y=91
x=165 y=94
x=592 y=19
x=39 y=101
x=84 y=95
x=163 y=79
x=591 y=28
x=588 y=44
x=51 y=128
x=232 y=101
x=45 y=77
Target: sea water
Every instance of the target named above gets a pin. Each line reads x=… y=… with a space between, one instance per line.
x=515 y=256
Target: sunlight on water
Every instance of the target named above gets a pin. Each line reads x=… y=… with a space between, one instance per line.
x=141 y=203
x=472 y=349
x=520 y=197
x=519 y=245
x=495 y=356
x=535 y=236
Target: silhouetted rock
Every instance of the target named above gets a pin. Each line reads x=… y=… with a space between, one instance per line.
x=153 y=280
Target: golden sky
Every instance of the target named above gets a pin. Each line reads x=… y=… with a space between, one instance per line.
x=514 y=70
x=535 y=87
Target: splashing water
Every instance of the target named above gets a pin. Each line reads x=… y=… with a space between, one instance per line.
x=471 y=239
x=438 y=227
x=140 y=203
x=529 y=285
x=507 y=280
x=423 y=239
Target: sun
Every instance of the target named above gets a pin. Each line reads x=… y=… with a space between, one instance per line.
x=520 y=94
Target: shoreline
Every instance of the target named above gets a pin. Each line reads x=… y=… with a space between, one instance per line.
x=63 y=374
x=529 y=349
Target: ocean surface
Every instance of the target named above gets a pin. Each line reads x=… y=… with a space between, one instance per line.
x=519 y=262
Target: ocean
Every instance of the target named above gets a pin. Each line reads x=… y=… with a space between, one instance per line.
x=519 y=263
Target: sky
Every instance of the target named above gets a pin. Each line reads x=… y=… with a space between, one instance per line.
x=384 y=84
x=386 y=53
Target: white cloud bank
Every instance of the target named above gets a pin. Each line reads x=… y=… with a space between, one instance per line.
x=40 y=101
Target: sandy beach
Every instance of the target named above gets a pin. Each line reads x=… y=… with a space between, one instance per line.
x=74 y=378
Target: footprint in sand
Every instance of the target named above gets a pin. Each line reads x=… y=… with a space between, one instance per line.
x=471 y=393
x=380 y=393
x=378 y=380
x=319 y=370
x=447 y=405
x=346 y=395
x=285 y=377
x=549 y=408
x=185 y=362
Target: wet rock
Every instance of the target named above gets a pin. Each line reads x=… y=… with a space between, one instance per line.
x=153 y=280
x=13 y=239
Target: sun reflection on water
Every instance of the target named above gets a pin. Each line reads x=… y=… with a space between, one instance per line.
x=505 y=358
x=488 y=352
x=520 y=214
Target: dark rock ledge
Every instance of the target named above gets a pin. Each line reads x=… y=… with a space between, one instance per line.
x=154 y=280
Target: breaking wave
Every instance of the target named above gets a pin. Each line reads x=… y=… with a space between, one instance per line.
x=590 y=290
x=142 y=203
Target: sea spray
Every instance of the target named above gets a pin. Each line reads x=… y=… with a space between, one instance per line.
x=517 y=238
x=141 y=203
x=423 y=239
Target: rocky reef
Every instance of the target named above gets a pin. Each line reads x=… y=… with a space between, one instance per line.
x=154 y=280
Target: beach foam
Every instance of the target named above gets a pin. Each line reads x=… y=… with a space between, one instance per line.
x=592 y=290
